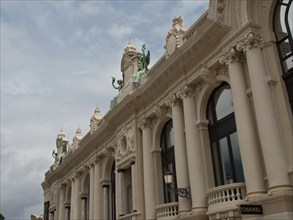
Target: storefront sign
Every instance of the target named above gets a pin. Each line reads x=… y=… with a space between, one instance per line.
x=251 y=209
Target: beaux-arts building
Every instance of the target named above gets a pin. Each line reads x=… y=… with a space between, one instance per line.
x=214 y=113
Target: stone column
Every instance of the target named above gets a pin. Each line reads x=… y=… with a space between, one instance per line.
x=122 y=192
x=67 y=211
x=77 y=205
x=148 y=169
x=194 y=151
x=72 y=206
x=180 y=151
x=246 y=131
x=98 y=210
x=84 y=207
x=268 y=127
x=133 y=183
x=91 y=203
x=61 y=203
x=105 y=202
x=51 y=216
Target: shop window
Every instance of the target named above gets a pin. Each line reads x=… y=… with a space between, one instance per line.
x=168 y=161
x=283 y=28
x=226 y=157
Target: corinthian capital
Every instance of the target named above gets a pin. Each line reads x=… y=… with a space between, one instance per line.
x=230 y=56
x=187 y=91
x=145 y=123
x=251 y=40
x=173 y=100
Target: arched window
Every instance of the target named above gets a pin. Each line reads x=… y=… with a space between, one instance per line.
x=283 y=28
x=168 y=161
x=226 y=157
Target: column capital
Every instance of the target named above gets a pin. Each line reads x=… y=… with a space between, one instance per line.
x=173 y=100
x=251 y=40
x=160 y=112
x=189 y=90
x=231 y=55
x=145 y=123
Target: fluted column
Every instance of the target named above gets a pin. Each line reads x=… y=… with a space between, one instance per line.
x=268 y=127
x=91 y=194
x=105 y=202
x=180 y=150
x=246 y=131
x=72 y=200
x=148 y=169
x=98 y=209
x=194 y=150
x=123 y=192
x=61 y=203
x=133 y=183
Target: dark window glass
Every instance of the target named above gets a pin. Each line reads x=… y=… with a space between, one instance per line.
x=283 y=28
x=168 y=161
x=226 y=157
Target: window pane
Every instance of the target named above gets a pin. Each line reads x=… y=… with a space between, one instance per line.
x=170 y=137
x=226 y=164
x=217 y=164
x=237 y=157
x=223 y=100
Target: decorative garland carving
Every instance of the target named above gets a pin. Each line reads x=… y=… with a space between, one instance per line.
x=207 y=75
x=125 y=145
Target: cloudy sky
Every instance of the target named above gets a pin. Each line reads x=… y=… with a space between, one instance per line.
x=57 y=60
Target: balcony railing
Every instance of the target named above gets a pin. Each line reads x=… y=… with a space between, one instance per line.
x=167 y=211
x=225 y=196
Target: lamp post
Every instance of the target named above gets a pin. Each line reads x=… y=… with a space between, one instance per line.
x=182 y=192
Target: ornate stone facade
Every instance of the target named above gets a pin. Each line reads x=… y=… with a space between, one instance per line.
x=173 y=122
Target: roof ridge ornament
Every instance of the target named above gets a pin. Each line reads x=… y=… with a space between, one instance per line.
x=174 y=36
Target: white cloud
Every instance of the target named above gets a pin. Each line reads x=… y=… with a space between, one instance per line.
x=119 y=31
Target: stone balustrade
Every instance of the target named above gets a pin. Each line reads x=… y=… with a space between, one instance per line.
x=167 y=211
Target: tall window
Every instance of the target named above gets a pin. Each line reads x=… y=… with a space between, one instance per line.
x=283 y=28
x=226 y=157
x=168 y=161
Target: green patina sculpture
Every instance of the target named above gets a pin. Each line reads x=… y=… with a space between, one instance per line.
x=61 y=150
x=143 y=62
x=120 y=83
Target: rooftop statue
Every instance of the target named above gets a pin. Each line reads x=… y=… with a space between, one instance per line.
x=120 y=83
x=143 y=62
x=61 y=144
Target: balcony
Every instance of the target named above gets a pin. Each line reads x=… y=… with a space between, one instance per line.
x=225 y=198
x=167 y=211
